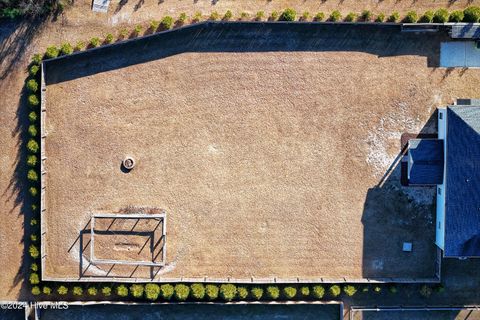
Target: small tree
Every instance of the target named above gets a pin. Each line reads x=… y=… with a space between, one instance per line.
x=36 y=59
x=427 y=16
x=334 y=291
x=32 y=160
x=47 y=290
x=33 y=251
x=33 y=238
x=211 y=291
x=273 y=292
x=166 y=291
x=107 y=291
x=471 y=14
x=32 y=116
x=319 y=16
x=318 y=291
x=137 y=30
x=167 y=23
x=92 y=291
x=154 y=24
x=411 y=17
x=32 y=175
x=259 y=16
x=349 y=290
x=366 y=15
x=32 y=130
x=182 y=18
x=182 y=292
x=228 y=15
x=34 y=267
x=289 y=292
x=425 y=291
x=377 y=289
x=33 y=70
x=305 y=291
x=66 y=48
x=32 y=85
x=33 y=191
x=305 y=16
x=62 y=290
x=79 y=46
x=34 y=278
x=244 y=16
x=351 y=17
x=36 y=290
x=33 y=222
x=123 y=33
x=109 y=38
x=136 y=290
x=214 y=16
x=274 y=16
x=335 y=16
x=456 y=16
x=33 y=100
x=228 y=291
x=152 y=291
x=242 y=292
x=197 y=16
x=94 y=42
x=197 y=291
x=256 y=293
x=392 y=289
x=52 y=52
x=394 y=17
x=122 y=290
x=288 y=15
x=77 y=291
x=441 y=16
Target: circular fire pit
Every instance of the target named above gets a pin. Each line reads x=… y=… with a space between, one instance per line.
x=128 y=163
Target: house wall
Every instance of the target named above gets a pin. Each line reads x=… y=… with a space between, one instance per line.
x=440 y=221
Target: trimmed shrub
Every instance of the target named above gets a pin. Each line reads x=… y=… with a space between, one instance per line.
x=122 y=290
x=182 y=18
x=289 y=292
x=167 y=23
x=377 y=289
x=197 y=291
x=33 y=70
x=380 y=17
x=394 y=17
x=33 y=222
x=259 y=16
x=242 y=292
x=37 y=58
x=392 y=289
x=34 y=207
x=411 y=17
x=34 y=278
x=79 y=46
x=32 y=160
x=427 y=16
x=92 y=291
x=77 y=291
x=154 y=24
x=66 y=48
x=34 y=267
x=214 y=16
x=335 y=16
x=211 y=291
x=32 y=146
x=366 y=15
x=182 y=292
x=318 y=291
x=456 y=16
x=52 y=52
x=152 y=291
x=305 y=291
x=33 y=238
x=197 y=16
x=256 y=293
x=33 y=191
x=107 y=291
x=305 y=16
x=273 y=292
x=94 y=42
x=32 y=85
x=288 y=15
x=228 y=291
x=33 y=100
x=32 y=175
x=32 y=116
x=243 y=15
x=138 y=29
x=228 y=15
x=319 y=16
x=123 y=33
x=441 y=16
x=136 y=290
x=273 y=16
x=109 y=38
x=33 y=251
x=32 y=130
x=471 y=14
x=349 y=290
x=36 y=290
x=166 y=291
x=47 y=290
x=334 y=291
x=351 y=17
x=425 y=291
x=62 y=290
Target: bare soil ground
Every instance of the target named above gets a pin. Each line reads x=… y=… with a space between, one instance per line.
x=267 y=163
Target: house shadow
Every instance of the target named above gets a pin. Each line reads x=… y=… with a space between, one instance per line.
x=377 y=39
x=393 y=215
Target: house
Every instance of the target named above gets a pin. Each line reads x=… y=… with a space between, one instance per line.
x=452 y=163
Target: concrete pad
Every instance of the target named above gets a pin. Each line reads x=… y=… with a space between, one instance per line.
x=462 y=54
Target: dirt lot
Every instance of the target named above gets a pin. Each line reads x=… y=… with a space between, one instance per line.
x=257 y=154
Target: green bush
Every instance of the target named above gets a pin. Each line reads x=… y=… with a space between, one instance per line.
x=77 y=291
x=305 y=291
x=318 y=291
x=394 y=17
x=33 y=70
x=377 y=289
x=392 y=289
x=289 y=292
x=335 y=16
x=244 y=16
x=351 y=17
x=33 y=222
x=32 y=116
x=109 y=38
x=92 y=291
x=427 y=17
x=441 y=16
x=34 y=267
x=288 y=15
x=52 y=52
x=197 y=16
x=228 y=291
x=274 y=16
x=228 y=15
x=47 y=290
x=32 y=85
x=273 y=292
x=33 y=100
x=107 y=291
x=79 y=46
x=305 y=16
x=259 y=16
x=136 y=290
x=182 y=292
x=62 y=290
x=33 y=238
x=154 y=24
x=319 y=16
x=471 y=14
x=411 y=17
x=66 y=48
x=349 y=290
x=167 y=23
x=32 y=175
x=33 y=251
x=456 y=16
x=37 y=59
x=166 y=291
x=33 y=191
x=32 y=160
x=182 y=18
x=366 y=15
x=242 y=292
x=214 y=16
x=425 y=291
x=123 y=33
x=211 y=291
x=34 y=278
x=138 y=29
x=94 y=42
x=34 y=207
x=256 y=293
x=197 y=291
x=122 y=290
x=32 y=130
x=152 y=291
x=334 y=291
x=36 y=290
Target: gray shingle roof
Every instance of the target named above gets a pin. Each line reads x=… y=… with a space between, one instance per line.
x=425 y=158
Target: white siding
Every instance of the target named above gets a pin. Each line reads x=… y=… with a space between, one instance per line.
x=440 y=227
